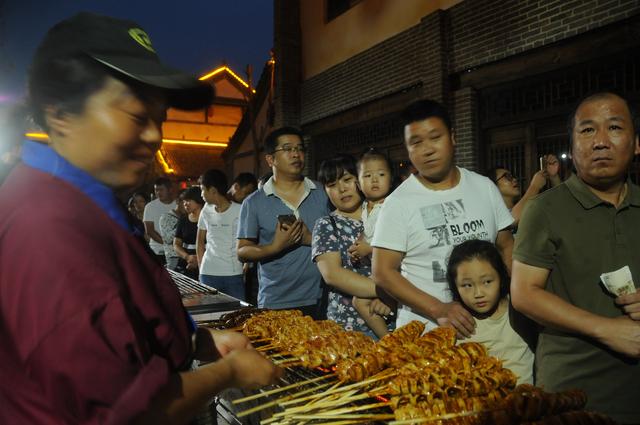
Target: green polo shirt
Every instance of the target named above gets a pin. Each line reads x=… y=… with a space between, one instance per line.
x=577 y=236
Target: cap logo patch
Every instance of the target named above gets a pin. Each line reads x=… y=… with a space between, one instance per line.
x=141 y=38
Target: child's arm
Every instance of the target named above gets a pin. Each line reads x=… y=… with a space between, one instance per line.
x=374 y=321
x=360 y=249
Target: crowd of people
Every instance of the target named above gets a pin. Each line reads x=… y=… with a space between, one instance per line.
x=86 y=300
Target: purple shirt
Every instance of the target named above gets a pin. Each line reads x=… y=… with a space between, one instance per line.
x=91 y=327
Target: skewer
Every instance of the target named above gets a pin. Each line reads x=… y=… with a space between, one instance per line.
x=278 y=401
x=342 y=413
x=440 y=417
x=330 y=401
x=267 y=347
x=381 y=375
x=348 y=422
x=277 y=390
x=360 y=417
x=294 y=361
x=261 y=340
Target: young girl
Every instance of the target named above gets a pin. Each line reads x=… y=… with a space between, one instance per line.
x=374 y=181
x=478 y=279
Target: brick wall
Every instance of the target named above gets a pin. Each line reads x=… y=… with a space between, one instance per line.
x=484 y=31
x=472 y=33
x=465 y=123
x=288 y=71
x=396 y=63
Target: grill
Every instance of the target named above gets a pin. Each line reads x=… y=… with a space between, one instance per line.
x=200 y=299
x=229 y=411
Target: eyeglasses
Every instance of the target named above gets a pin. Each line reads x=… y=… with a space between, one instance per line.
x=290 y=149
x=507 y=176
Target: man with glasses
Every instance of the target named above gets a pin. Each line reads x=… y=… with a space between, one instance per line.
x=274 y=228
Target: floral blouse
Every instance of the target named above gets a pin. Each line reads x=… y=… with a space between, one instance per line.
x=340 y=308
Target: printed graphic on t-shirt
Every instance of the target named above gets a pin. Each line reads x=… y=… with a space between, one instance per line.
x=447 y=224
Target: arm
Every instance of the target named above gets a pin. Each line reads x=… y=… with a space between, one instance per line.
x=537 y=183
x=386 y=264
x=201 y=240
x=237 y=366
x=285 y=236
x=330 y=266
x=529 y=296
x=374 y=321
x=151 y=231
x=177 y=247
x=504 y=243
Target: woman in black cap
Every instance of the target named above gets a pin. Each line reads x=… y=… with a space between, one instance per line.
x=92 y=329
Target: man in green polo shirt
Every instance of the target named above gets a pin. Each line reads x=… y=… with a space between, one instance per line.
x=567 y=238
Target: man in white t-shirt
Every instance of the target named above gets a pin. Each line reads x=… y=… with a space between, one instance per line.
x=164 y=203
x=427 y=215
x=216 y=241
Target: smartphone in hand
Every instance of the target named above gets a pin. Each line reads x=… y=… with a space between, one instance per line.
x=287 y=219
x=543 y=163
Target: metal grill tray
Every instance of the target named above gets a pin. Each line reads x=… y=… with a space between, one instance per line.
x=198 y=298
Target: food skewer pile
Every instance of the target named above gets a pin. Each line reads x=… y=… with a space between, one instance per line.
x=420 y=378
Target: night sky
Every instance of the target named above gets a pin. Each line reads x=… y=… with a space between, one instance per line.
x=194 y=35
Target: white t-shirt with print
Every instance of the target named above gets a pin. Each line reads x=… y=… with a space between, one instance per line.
x=152 y=212
x=220 y=255
x=426 y=224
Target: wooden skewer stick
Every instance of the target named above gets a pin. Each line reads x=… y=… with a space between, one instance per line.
x=267 y=347
x=278 y=401
x=293 y=360
x=330 y=401
x=344 y=411
x=360 y=416
x=262 y=340
x=280 y=389
x=440 y=417
x=352 y=421
x=382 y=375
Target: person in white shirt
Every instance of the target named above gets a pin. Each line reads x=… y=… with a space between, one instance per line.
x=164 y=203
x=216 y=241
x=440 y=206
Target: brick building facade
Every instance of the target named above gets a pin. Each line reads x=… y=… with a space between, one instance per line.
x=509 y=71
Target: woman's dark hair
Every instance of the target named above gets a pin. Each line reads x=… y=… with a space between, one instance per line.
x=193 y=193
x=479 y=250
x=334 y=168
x=492 y=173
x=215 y=178
x=64 y=83
x=133 y=198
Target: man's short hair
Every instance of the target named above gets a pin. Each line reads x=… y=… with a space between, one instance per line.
x=163 y=181
x=571 y=122
x=193 y=193
x=271 y=142
x=215 y=178
x=245 y=179
x=424 y=109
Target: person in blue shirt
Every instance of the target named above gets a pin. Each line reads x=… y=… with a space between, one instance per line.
x=274 y=230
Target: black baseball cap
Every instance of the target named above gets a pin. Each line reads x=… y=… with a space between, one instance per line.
x=125 y=47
